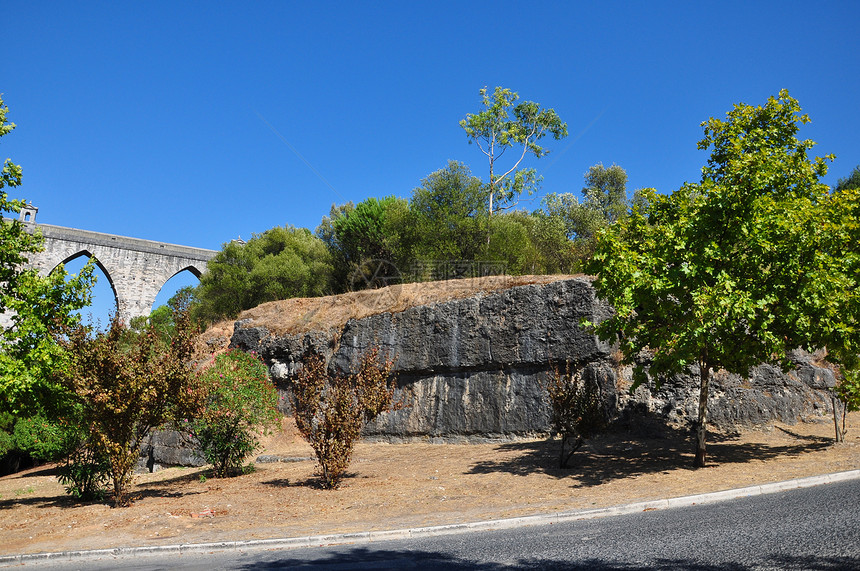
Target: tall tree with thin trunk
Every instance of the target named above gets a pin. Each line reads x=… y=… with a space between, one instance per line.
x=505 y=124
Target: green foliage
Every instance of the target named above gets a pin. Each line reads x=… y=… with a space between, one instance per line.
x=448 y=215
x=604 y=201
x=577 y=411
x=239 y=402
x=85 y=473
x=722 y=274
x=850 y=181
x=124 y=387
x=161 y=318
x=449 y=222
x=11 y=173
x=45 y=440
x=331 y=408
x=605 y=192
x=366 y=241
x=505 y=124
x=7 y=427
x=361 y=233
x=278 y=264
x=837 y=323
x=39 y=307
x=848 y=389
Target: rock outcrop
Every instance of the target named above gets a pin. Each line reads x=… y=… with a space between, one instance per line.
x=476 y=367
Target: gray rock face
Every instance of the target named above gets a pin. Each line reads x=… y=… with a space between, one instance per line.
x=767 y=395
x=477 y=367
x=172 y=448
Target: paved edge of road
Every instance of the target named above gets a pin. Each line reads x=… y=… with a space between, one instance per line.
x=377 y=536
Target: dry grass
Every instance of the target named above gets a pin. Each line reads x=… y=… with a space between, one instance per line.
x=395 y=486
x=300 y=315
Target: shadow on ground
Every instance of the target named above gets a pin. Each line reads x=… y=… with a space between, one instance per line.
x=620 y=453
x=368 y=558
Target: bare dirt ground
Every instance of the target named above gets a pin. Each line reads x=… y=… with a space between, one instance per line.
x=395 y=486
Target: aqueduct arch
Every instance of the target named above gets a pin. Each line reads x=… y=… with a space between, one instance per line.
x=136 y=269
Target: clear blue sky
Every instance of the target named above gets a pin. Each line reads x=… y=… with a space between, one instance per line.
x=183 y=122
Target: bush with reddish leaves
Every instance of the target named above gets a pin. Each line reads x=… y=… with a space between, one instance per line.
x=331 y=408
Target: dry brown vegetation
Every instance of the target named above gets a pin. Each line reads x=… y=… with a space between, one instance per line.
x=299 y=315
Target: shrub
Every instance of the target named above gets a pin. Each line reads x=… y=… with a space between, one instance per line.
x=239 y=400
x=7 y=426
x=43 y=439
x=577 y=411
x=85 y=473
x=28 y=440
x=331 y=408
x=125 y=385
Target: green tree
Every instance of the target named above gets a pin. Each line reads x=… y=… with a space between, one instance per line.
x=556 y=252
x=837 y=324
x=721 y=274
x=325 y=232
x=604 y=201
x=605 y=192
x=280 y=263
x=505 y=124
x=448 y=214
x=161 y=318
x=367 y=242
x=850 y=181
x=33 y=307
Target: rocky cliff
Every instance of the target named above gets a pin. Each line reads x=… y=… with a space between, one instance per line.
x=476 y=367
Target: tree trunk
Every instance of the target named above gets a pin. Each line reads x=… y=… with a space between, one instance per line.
x=840 y=436
x=701 y=432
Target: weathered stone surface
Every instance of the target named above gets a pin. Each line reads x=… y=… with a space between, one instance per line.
x=767 y=395
x=477 y=367
x=172 y=448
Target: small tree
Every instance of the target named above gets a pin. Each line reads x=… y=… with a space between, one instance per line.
x=505 y=124
x=331 y=408
x=126 y=386
x=239 y=402
x=726 y=274
x=847 y=392
x=577 y=411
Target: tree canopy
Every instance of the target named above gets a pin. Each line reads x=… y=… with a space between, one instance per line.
x=722 y=274
x=505 y=124
x=36 y=307
x=850 y=181
x=448 y=214
x=278 y=264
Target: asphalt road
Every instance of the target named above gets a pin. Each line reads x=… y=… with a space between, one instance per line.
x=815 y=528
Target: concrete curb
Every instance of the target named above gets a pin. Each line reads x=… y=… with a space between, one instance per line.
x=379 y=536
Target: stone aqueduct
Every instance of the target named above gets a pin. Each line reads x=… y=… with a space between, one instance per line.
x=136 y=269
